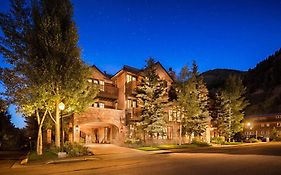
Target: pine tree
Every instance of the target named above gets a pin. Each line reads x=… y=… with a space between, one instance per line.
x=235 y=92
x=223 y=116
x=192 y=102
x=151 y=91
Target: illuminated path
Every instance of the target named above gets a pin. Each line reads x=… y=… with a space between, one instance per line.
x=254 y=159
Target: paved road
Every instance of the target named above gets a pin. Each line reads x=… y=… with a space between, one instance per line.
x=8 y=158
x=256 y=159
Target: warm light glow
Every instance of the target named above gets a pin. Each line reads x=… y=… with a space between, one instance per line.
x=61 y=106
x=248 y=124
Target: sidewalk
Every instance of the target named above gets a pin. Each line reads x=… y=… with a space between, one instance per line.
x=101 y=152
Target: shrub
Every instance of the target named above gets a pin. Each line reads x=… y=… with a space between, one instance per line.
x=75 y=149
x=132 y=141
x=218 y=140
x=253 y=140
x=199 y=143
x=277 y=139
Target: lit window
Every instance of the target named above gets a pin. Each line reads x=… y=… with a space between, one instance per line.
x=129 y=104
x=170 y=115
x=268 y=125
x=128 y=78
x=101 y=105
x=102 y=85
x=134 y=104
x=134 y=79
x=278 y=124
x=90 y=80
x=96 y=82
x=95 y=105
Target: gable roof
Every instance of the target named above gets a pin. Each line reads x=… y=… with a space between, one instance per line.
x=158 y=63
x=138 y=71
x=104 y=74
x=131 y=69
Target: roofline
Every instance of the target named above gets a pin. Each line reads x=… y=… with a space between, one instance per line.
x=165 y=70
x=94 y=66
x=143 y=69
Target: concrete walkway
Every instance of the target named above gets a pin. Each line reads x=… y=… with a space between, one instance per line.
x=105 y=149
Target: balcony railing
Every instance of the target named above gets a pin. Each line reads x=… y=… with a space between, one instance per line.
x=133 y=114
x=108 y=91
x=131 y=88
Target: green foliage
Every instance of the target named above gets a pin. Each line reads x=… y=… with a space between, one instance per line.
x=168 y=147
x=76 y=149
x=199 y=143
x=148 y=148
x=235 y=92
x=40 y=44
x=132 y=141
x=218 y=140
x=223 y=116
x=47 y=155
x=221 y=141
x=275 y=135
x=192 y=101
x=229 y=107
x=151 y=91
x=253 y=140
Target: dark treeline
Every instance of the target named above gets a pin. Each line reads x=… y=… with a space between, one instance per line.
x=263 y=84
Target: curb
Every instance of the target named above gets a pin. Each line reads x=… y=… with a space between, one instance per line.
x=71 y=160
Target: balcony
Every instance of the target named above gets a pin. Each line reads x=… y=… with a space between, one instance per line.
x=131 y=88
x=133 y=114
x=108 y=91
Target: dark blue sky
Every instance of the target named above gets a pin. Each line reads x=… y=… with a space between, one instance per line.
x=217 y=34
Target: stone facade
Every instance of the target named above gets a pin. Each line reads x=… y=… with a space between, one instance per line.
x=116 y=108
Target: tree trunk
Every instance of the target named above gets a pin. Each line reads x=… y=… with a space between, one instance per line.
x=180 y=141
x=39 y=147
x=57 y=126
x=144 y=137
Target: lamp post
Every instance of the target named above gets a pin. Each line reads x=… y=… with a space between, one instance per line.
x=61 y=107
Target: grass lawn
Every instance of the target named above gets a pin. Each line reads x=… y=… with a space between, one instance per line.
x=167 y=147
x=47 y=155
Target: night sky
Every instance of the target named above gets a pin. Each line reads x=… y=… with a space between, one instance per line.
x=217 y=34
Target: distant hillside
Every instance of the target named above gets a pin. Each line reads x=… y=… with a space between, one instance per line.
x=215 y=79
x=264 y=86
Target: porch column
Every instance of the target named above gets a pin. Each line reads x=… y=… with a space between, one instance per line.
x=76 y=133
x=111 y=132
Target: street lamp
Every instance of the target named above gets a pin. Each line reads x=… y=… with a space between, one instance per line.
x=61 y=107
